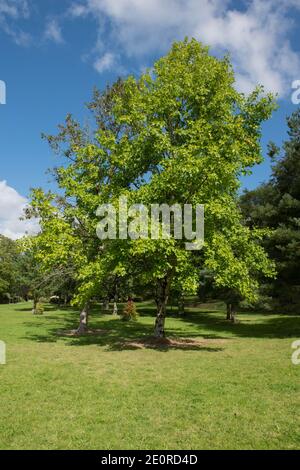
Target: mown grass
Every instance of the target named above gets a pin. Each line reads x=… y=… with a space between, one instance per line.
x=235 y=389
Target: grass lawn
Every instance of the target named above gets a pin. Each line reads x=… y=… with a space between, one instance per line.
x=234 y=387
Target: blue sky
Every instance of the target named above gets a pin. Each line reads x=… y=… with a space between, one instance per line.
x=53 y=52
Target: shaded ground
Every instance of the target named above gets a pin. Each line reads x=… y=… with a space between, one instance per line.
x=170 y=343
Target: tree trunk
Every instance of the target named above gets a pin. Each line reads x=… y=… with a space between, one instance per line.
x=115 y=310
x=181 y=310
x=84 y=319
x=116 y=297
x=159 y=330
x=233 y=314
x=106 y=305
x=228 y=314
x=161 y=302
x=35 y=302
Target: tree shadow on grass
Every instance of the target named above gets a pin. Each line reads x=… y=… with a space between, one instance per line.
x=198 y=330
x=267 y=326
x=117 y=335
x=167 y=344
x=120 y=336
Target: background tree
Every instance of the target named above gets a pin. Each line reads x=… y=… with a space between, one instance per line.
x=8 y=269
x=36 y=279
x=276 y=205
x=208 y=291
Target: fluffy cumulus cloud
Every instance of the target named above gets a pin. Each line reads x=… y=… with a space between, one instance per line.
x=12 y=205
x=11 y=11
x=255 y=32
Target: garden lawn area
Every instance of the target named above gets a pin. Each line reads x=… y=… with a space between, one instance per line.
x=230 y=387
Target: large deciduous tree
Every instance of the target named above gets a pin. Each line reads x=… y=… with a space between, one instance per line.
x=192 y=136
x=179 y=134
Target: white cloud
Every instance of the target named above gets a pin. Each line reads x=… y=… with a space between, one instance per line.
x=53 y=32
x=12 y=205
x=256 y=34
x=10 y=12
x=104 y=63
x=14 y=8
x=77 y=10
